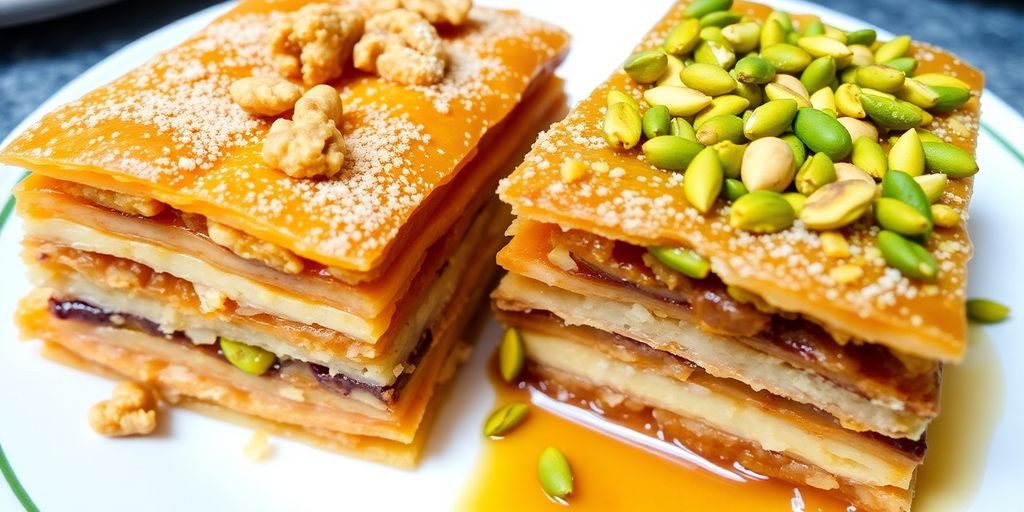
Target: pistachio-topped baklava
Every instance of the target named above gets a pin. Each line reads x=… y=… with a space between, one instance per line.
x=754 y=234
x=288 y=216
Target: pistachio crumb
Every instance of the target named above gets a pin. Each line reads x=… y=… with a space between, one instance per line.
x=846 y=273
x=572 y=170
x=834 y=244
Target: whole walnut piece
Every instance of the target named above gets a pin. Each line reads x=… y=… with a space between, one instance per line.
x=265 y=95
x=315 y=42
x=451 y=12
x=309 y=144
x=403 y=47
x=130 y=411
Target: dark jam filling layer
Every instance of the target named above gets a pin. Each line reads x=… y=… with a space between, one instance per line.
x=342 y=384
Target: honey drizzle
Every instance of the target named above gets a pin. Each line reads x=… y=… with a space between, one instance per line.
x=643 y=473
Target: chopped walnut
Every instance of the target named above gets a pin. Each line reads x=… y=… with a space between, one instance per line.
x=265 y=95
x=304 y=149
x=130 y=411
x=252 y=248
x=452 y=12
x=315 y=42
x=124 y=203
x=403 y=47
x=321 y=103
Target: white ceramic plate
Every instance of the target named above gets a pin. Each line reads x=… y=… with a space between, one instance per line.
x=195 y=463
x=16 y=12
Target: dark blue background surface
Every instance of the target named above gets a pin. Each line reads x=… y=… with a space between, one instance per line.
x=36 y=60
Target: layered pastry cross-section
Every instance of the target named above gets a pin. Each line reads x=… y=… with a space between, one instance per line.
x=709 y=237
x=170 y=249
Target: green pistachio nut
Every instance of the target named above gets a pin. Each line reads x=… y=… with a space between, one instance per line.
x=949 y=160
x=743 y=37
x=248 y=358
x=751 y=93
x=862 y=56
x=918 y=94
x=941 y=80
x=646 y=67
x=731 y=156
x=703 y=179
x=814 y=27
x=708 y=79
x=824 y=46
x=928 y=136
x=680 y=101
x=721 y=128
x=681 y=128
x=848 y=75
x=675 y=66
x=949 y=98
x=819 y=74
x=880 y=78
x=768 y=165
x=720 y=19
x=786 y=58
x=511 y=355
x=671 y=152
x=890 y=114
x=616 y=96
x=505 y=419
x=771 y=119
x=683 y=38
x=824 y=99
x=848 y=101
x=822 y=133
x=837 y=204
x=715 y=53
x=798 y=147
x=905 y=64
x=816 y=172
x=865 y=37
x=836 y=34
x=728 y=105
x=754 y=70
x=986 y=311
x=900 y=217
x=782 y=18
x=894 y=49
x=772 y=33
x=902 y=187
x=945 y=216
x=857 y=128
x=655 y=121
x=792 y=37
x=713 y=34
x=684 y=261
x=909 y=258
x=778 y=91
x=761 y=211
x=907 y=154
x=555 y=473
x=701 y=8
x=847 y=171
x=933 y=185
x=868 y=155
x=796 y=200
x=733 y=189
x=621 y=126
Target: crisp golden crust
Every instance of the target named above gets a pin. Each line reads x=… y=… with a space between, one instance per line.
x=170 y=130
x=622 y=197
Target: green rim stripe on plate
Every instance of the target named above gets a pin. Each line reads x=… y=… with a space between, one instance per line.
x=30 y=506
x=16 y=487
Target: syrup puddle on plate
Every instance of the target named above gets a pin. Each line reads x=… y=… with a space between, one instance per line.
x=617 y=468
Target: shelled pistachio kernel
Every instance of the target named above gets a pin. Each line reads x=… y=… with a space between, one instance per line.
x=862 y=56
x=933 y=185
x=555 y=473
x=945 y=216
x=899 y=217
x=893 y=49
x=622 y=126
x=772 y=33
x=796 y=200
x=721 y=128
x=744 y=36
x=786 y=58
x=834 y=245
x=949 y=160
x=857 y=128
x=908 y=65
x=986 y=311
x=761 y=211
x=727 y=105
x=655 y=121
x=771 y=119
x=505 y=418
x=798 y=147
x=671 y=152
x=731 y=155
x=680 y=101
x=824 y=99
x=708 y=79
x=847 y=171
x=869 y=156
x=768 y=165
x=701 y=8
x=822 y=46
x=846 y=273
x=890 y=114
x=681 y=128
x=733 y=189
x=683 y=38
x=716 y=53
x=754 y=70
x=864 y=37
x=822 y=133
x=816 y=172
x=837 y=204
x=248 y=358
x=917 y=94
x=684 y=261
x=907 y=154
x=819 y=74
x=848 y=101
x=647 y=66
x=671 y=75
x=511 y=355
x=909 y=258
x=571 y=170
x=703 y=180
x=616 y=96
x=901 y=186
x=880 y=78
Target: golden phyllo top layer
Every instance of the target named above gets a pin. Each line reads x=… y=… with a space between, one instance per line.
x=577 y=178
x=171 y=131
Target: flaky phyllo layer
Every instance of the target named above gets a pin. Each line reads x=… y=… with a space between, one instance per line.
x=176 y=239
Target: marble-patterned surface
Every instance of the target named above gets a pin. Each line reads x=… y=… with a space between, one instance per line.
x=37 y=59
